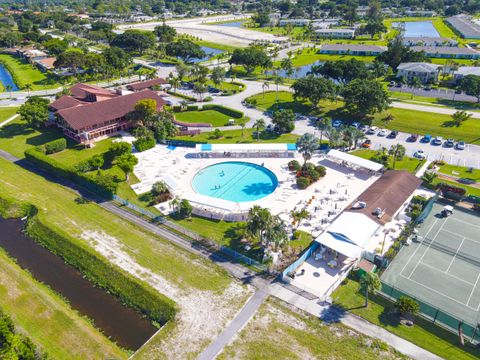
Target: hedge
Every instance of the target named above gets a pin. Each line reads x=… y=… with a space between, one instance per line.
x=192 y=107
x=55 y=146
x=191 y=98
x=225 y=110
x=131 y=291
x=101 y=184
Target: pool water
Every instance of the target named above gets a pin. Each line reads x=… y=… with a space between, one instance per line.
x=418 y=29
x=6 y=79
x=235 y=181
x=210 y=52
x=235 y=24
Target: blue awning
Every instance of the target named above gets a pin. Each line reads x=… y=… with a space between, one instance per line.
x=206 y=147
x=291 y=147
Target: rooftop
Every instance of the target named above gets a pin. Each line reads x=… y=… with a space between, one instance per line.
x=468 y=70
x=418 y=67
x=463 y=24
x=445 y=50
x=142 y=85
x=353 y=47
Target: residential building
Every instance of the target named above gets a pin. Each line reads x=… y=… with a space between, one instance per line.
x=463 y=71
x=335 y=33
x=91 y=112
x=294 y=22
x=325 y=23
x=426 y=72
x=46 y=64
x=420 y=13
x=464 y=25
x=352 y=49
x=428 y=41
x=148 y=84
x=448 y=52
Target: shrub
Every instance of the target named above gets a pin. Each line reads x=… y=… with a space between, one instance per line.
x=185 y=209
x=217 y=134
x=177 y=108
x=314 y=175
x=15 y=345
x=407 y=305
x=224 y=110
x=83 y=166
x=207 y=98
x=303 y=182
x=119 y=148
x=55 y=146
x=143 y=144
x=294 y=165
x=160 y=198
x=322 y=171
x=192 y=107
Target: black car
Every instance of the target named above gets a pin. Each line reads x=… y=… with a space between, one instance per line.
x=393 y=134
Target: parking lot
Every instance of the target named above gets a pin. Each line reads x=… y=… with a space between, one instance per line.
x=447 y=94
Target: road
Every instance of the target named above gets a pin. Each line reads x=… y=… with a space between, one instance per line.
x=430 y=109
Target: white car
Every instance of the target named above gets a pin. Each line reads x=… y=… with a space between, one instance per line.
x=372 y=130
x=438 y=140
x=337 y=123
x=382 y=132
x=356 y=125
x=419 y=154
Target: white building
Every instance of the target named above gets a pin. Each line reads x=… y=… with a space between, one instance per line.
x=335 y=33
x=426 y=72
x=466 y=70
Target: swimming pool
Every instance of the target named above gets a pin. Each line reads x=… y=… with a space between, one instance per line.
x=235 y=181
x=417 y=29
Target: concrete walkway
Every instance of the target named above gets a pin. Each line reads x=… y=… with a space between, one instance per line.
x=11 y=118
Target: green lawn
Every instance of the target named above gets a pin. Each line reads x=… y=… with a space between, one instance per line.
x=214 y=117
x=423 y=333
x=215 y=45
x=470 y=189
x=268 y=101
x=311 y=55
x=76 y=153
x=24 y=73
x=62 y=210
x=7 y=112
x=235 y=137
x=278 y=332
x=407 y=163
x=461 y=172
x=406 y=97
x=48 y=320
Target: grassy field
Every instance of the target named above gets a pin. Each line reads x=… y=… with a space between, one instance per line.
x=461 y=172
x=214 y=117
x=235 y=137
x=48 y=320
x=406 y=97
x=214 y=45
x=279 y=332
x=407 y=163
x=423 y=333
x=309 y=56
x=24 y=73
x=470 y=190
x=7 y=112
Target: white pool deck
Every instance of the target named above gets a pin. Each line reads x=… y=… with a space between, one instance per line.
x=331 y=194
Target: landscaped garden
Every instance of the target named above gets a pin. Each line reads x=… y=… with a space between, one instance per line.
x=406 y=163
x=215 y=116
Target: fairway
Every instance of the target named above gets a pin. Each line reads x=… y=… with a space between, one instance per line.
x=442 y=268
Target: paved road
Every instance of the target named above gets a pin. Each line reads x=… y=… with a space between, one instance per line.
x=446 y=94
x=430 y=109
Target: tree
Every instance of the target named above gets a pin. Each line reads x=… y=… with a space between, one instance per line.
x=185 y=209
x=199 y=89
x=314 y=89
x=162 y=125
x=373 y=27
x=284 y=7
x=28 y=87
x=143 y=111
x=275 y=235
x=185 y=50
x=343 y=71
x=119 y=148
x=218 y=75
x=134 y=41
x=116 y=59
x=415 y=83
x=397 y=152
x=55 y=46
x=174 y=81
x=259 y=125
x=285 y=120
x=159 y=187
x=182 y=70
x=258 y=220
x=73 y=58
x=35 y=111
x=407 y=306
x=306 y=146
x=9 y=88
x=126 y=163
x=96 y=161
x=370 y=283
x=459 y=117
x=287 y=66
x=165 y=33
x=470 y=84
x=250 y=58
x=265 y=85
x=299 y=215
x=364 y=97
x=323 y=125
x=261 y=18
x=398 y=53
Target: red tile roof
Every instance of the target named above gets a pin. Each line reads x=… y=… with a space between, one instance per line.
x=48 y=63
x=96 y=114
x=142 y=85
x=81 y=91
x=65 y=102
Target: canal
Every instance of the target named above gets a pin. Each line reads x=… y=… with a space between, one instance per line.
x=7 y=79
x=123 y=325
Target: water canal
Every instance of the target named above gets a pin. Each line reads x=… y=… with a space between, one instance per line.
x=7 y=79
x=122 y=324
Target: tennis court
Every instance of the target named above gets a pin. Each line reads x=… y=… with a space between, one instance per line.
x=442 y=268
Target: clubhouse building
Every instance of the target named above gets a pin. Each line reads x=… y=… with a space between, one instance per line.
x=91 y=113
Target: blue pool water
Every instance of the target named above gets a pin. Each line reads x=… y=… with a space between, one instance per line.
x=298 y=72
x=418 y=29
x=235 y=181
x=235 y=24
x=210 y=53
x=6 y=79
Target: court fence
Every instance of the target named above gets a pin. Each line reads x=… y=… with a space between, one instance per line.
x=235 y=255
x=434 y=315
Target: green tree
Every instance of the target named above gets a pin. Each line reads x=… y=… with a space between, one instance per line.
x=185 y=209
x=159 y=187
x=364 y=97
x=470 y=84
x=314 y=89
x=398 y=53
x=119 y=148
x=261 y=18
x=343 y=71
x=258 y=220
x=285 y=120
x=55 y=46
x=287 y=66
x=299 y=215
x=324 y=125
x=415 y=83
x=134 y=41
x=165 y=33
x=182 y=70
x=143 y=111
x=96 y=161
x=407 y=306
x=306 y=146
x=397 y=152
x=218 y=75
x=116 y=59
x=374 y=27
x=370 y=283
x=250 y=58
x=185 y=50
x=35 y=111
x=126 y=163
x=459 y=117
x=73 y=58
x=199 y=89
x=259 y=125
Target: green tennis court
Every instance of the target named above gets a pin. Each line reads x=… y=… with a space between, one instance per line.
x=442 y=268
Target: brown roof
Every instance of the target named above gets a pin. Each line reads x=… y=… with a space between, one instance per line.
x=81 y=91
x=141 y=85
x=65 y=102
x=388 y=193
x=97 y=113
x=48 y=63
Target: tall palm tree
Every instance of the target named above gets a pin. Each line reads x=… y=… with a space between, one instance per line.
x=323 y=124
x=306 y=145
x=277 y=80
x=335 y=137
x=9 y=88
x=299 y=215
x=276 y=234
x=265 y=85
x=28 y=87
x=259 y=219
x=370 y=283
x=397 y=152
x=259 y=125
x=415 y=84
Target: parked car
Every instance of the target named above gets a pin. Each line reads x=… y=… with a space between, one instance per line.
x=337 y=123
x=458 y=91
x=393 y=134
x=356 y=125
x=438 y=140
x=460 y=145
x=399 y=85
x=382 y=132
x=269 y=127
x=413 y=138
x=449 y=143
x=428 y=87
x=365 y=128
x=367 y=143
x=419 y=154
x=372 y=130
x=426 y=138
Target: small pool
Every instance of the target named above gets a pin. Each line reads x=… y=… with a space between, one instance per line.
x=235 y=181
x=417 y=29
x=210 y=52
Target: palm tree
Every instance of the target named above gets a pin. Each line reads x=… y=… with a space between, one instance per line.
x=357 y=135
x=259 y=124
x=28 y=87
x=299 y=215
x=259 y=219
x=459 y=117
x=9 y=88
x=370 y=283
x=199 y=89
x=335 y=137
x=174 y=203
x=183 y=104
x=306 y=145
x=275 y=234
x=323 y=124
x=415 y=84
x=286 y=65
x=242 y=122
x=397 y=151
x=265 y=85
x=277 y=80
x=174 y=82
